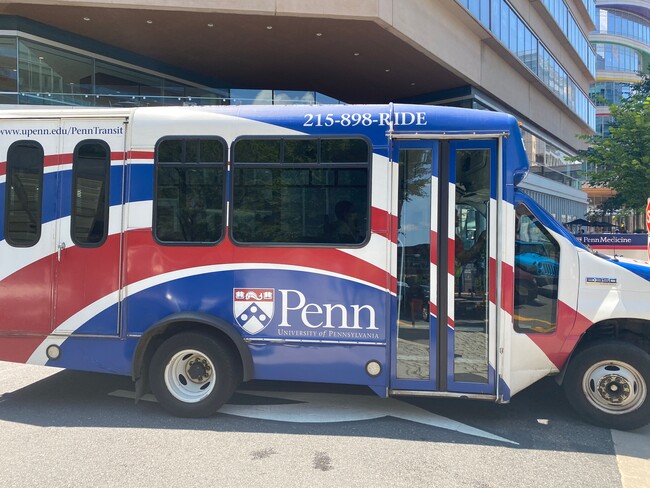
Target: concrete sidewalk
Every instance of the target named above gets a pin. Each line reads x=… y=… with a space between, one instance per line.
x=633 y=456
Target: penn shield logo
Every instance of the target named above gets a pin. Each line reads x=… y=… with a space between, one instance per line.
x=253 y=308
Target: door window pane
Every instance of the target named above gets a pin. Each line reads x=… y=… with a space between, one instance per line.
x=414 y=264
x=90 y=179
x=537 y=265
x=24 y=193
x=471 y=265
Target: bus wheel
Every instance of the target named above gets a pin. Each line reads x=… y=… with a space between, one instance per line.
x=193 y=375
x=608 y=383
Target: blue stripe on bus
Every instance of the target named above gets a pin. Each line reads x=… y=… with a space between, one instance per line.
x=96 y=354
x=641 y=270
x=320 y=291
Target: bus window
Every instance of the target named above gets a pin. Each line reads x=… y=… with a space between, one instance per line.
x=537 y=265
x=91 y=166
x=24 y=193
x=189 y=190
x=295 y=191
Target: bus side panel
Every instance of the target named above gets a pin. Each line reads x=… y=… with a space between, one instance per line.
x=316 y=294
x=324 y=363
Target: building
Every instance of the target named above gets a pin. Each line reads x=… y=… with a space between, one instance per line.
x=531 y=58
x=622 y=44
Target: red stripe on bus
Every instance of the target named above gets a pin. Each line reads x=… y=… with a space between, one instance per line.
x=382 y=222
x=559 y=343
x=433 y=239
x=140 y=155
x=18 y=349
x=146 y=259
x=451 y=256
x=507 y=288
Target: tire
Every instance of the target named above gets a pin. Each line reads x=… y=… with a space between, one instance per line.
x=193 y=374
x=607 y=383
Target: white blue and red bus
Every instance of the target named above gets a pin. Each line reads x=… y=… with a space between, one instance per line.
x=387 y=246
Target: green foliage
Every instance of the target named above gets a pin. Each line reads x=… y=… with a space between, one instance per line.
x=622 y=160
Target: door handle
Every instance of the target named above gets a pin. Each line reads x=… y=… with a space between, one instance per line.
x=60 y=248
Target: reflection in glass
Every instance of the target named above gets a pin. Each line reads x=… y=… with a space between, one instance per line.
x=414 y=264
x=300 y=205
x=90 y=177
x=537 y=265
x=8 y=66
x=53 y=75
x=471 y=266
x=189 y=190
x=24 y=193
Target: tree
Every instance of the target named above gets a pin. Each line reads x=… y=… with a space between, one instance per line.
x=621 y=161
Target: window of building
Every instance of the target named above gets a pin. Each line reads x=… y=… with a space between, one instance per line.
x=51 y=75
x=24 y=193
x=189 y=190
x=91 y=166
x=537 y=265
x=292 y=191
x=8 y=70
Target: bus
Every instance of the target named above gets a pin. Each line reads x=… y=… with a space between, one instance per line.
x=387 y=246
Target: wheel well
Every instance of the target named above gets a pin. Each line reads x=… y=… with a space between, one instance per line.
x=178 y=323
x=633 y=331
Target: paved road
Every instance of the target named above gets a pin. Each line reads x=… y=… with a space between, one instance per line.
x=64 y=428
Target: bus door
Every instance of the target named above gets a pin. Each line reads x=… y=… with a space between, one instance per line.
x=88 y=237
x=444 y=337
x=28 y=205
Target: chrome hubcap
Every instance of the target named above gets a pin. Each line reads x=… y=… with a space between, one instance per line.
x=614 y=387
x=189 y=376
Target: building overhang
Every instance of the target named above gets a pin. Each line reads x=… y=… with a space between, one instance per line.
x=357 y=58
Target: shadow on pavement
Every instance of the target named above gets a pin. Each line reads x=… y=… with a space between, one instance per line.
x=538 y=418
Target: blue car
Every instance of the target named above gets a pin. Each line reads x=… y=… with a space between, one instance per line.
x=533 y=258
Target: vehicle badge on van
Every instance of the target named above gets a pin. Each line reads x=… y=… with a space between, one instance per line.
x=253 y=308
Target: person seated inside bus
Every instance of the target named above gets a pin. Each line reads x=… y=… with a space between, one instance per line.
x=346 y=228
x=463 y=257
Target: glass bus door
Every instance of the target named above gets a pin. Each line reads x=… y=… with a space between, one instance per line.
x=444 y=336
x=415 y=335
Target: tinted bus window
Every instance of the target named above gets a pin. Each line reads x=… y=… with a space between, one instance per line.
x=301 y=191
x=24 y=193
x=91 y=166
x=189 y=191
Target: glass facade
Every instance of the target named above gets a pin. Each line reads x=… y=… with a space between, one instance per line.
x=549 y=161
x=504 y=22
x=8 y=70
x=606 y=93
x=279 y=97
x=33 y=73
x=590 y=5
x=567 y=22
x=38 y=74
x=612 y=57
x=602 y=125
x=623 y=24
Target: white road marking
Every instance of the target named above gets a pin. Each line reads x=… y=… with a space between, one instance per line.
x=328 y=408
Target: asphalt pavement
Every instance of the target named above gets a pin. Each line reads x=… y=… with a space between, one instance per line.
x=72 y=429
